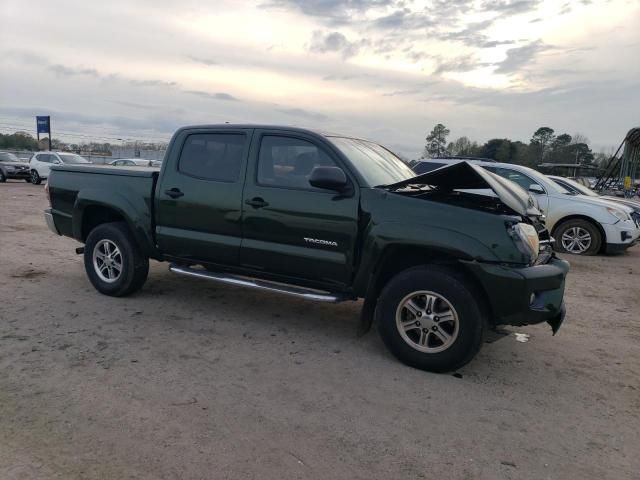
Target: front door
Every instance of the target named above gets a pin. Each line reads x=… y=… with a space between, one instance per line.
x=289 y=227
x=199 y=197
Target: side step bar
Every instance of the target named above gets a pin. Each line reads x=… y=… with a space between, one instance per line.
x=308 y=293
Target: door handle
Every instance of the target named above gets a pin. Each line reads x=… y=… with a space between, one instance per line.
x=174 y=193
x=257 y=202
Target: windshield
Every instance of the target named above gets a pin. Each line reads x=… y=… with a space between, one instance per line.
x=72 y=158
x=376 y=164
x=8 y=157
x=579 y=187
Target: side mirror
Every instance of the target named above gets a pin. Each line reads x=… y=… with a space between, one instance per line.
x=328 y=178
x=535 y=188
x=57 y=162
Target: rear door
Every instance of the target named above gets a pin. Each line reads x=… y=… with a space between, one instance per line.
x=289 y=227
x=199 y=195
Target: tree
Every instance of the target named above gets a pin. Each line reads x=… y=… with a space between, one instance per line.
x=463 y=147
x=558 y=151
x=436 y=142
x=542 y=138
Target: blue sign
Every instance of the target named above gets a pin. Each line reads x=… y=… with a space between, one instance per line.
x=44 y=124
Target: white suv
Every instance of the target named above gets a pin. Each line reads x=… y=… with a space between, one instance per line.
x=581 y=225
x=41 y=162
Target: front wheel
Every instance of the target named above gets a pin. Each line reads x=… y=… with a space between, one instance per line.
x=35 y=178
x=430 y=319
x=113 y=261
x=578 y=237
x=2 y=177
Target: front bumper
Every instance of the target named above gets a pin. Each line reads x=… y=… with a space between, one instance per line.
x=621 y=235
x=48 y=217
x=18 y=173
x=524 y=296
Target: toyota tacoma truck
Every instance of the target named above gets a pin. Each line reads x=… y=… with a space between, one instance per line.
x=326 y=218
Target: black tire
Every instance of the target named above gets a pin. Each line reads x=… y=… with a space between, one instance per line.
x=35 y=178
x=448 y=285
x=134 y=265
x=28 y=180
x=2 y=177
x=583 y=225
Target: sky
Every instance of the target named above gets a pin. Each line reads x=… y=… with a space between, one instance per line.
x=387 y=70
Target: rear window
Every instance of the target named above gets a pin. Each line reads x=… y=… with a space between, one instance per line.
x=424 y=167
x=213 y=156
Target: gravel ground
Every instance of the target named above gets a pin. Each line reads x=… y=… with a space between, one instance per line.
x=189 y=379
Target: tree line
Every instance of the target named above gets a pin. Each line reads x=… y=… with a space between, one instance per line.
x=544 y=146
x=25 y=141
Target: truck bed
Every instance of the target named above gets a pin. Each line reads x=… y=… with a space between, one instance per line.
x=77 y=191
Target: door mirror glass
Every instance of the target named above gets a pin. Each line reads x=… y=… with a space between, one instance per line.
x=328 y=178
x=56 y=162
x=535 y=188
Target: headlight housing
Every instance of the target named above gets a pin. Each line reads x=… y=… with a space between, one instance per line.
x=526 y=238
x=619 y=214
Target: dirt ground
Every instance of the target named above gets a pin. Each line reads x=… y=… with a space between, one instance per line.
x=192 y=380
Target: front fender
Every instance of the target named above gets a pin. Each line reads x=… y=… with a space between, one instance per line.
x=433 y=239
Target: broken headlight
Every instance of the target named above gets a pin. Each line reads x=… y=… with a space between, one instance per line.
x=526 y=239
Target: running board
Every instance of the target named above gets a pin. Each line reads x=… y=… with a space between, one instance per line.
x=308 y=293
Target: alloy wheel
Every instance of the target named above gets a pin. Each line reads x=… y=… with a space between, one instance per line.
x=427 y=321
x=576 y=240
x=107 y=261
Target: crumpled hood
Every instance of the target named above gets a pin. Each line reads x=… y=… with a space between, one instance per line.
x=465 y=176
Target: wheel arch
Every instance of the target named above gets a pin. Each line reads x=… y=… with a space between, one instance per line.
x=586 y=218
x=397 y=258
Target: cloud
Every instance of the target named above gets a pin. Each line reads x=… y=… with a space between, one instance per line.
x=64 y=71
x=205 y=61
x=212 y=96
x=334 y=11
x=520 y=56
x=404 y=19
x=401 y=93
x=299 y=112
x=152 y=83
x=510 y=7
x=463 y=63
x=325 y=42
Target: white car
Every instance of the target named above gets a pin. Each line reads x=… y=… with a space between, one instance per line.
x=40 y=163
x=580 y=224
x=134 y=162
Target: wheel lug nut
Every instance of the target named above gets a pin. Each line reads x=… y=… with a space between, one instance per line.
x=425 y=330
x=417 y=324
x=435 y=319
x=434 y=328
x=419 y=314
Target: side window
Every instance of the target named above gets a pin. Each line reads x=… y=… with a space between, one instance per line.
x=288 y=162
x=517 y=177
x=44 y=157
x=213 y=156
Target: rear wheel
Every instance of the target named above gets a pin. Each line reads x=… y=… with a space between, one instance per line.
x=113 y=261
x=35 y=178
x=430 y=319
x=578 y=237
x=2 y=177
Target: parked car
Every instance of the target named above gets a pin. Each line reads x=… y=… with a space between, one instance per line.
x=12 y=167
x=41 y=163
x=578 y=188
x=132 y=162
x=581 y=225
x=326 y=218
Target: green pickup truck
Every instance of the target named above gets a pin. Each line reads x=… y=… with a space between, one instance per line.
x=438 y=261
